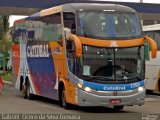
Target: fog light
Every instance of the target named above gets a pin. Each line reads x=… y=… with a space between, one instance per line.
x=140 y=89
x=87 y=89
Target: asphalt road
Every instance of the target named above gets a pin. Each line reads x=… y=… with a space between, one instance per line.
x=12 y=102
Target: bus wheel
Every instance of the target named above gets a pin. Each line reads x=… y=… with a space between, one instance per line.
x=63 y=99
x=28 y=93
x=118 y=108
x=159 y=86
x=24 y=89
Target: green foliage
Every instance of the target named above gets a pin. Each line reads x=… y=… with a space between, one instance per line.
x=7 y=76
x=5 y=23
x=5 y=45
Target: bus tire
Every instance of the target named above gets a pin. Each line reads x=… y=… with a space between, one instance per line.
x=63 y=102
x=118 y=108
x=159 y=86
x=21 y=83
x=149 y=92
x=24 y=90
x=28 y=94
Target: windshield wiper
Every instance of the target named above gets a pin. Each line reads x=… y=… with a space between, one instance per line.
x=130 y=76
x=140 y=77
x=96 y=77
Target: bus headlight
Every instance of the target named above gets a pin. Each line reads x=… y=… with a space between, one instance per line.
x=87 y=89
x=140 y=89
x=79 y=85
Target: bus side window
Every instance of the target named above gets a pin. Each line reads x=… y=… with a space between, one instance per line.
x=69 y=21
x=52 y=27
x=19 y=33
x=46 y=28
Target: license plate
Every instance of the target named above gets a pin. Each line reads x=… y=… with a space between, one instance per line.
x=115 y=101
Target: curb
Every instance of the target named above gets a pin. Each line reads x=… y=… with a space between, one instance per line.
x=7 y=82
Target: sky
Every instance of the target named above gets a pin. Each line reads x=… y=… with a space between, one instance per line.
x=15 y=17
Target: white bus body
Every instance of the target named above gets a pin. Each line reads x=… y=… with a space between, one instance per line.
x=152 y=76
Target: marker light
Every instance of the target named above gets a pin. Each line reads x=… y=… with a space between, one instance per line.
x=140 y=89
x=109 y=10
x=87 y=89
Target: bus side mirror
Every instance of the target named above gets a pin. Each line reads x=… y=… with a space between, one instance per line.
x=78 y=45
x=67 y=32
x=153 y=46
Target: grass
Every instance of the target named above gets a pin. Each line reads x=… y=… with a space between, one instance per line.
x=7 y=76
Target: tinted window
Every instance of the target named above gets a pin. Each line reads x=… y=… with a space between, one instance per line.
x=46 y=28
x=109 y=25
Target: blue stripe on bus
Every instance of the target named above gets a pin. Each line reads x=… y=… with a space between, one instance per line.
x=114 y=87
x=42 y=70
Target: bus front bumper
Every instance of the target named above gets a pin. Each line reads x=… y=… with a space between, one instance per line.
x=88 y=99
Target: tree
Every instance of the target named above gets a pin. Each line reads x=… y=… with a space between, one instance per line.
x=4 y=37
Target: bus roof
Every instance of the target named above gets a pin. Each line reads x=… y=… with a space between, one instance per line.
x=73 y=7
x=154 y=27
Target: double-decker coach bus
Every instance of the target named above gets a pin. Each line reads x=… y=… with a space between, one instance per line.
x=85 y=54
x=152 y=65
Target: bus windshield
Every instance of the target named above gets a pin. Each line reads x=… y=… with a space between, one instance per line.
x=103 y=25
x=115 y=64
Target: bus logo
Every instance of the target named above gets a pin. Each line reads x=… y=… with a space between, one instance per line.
x=115 y=93
x=57 y=50
x=34 y=51
x=114 y=88
x=114 y=44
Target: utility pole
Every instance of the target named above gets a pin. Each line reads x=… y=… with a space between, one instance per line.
x=141 y=1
